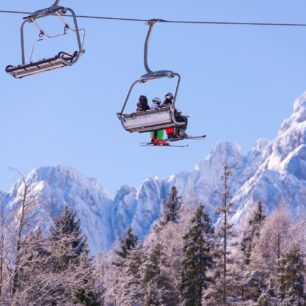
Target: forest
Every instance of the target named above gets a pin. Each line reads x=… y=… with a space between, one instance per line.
x=185 y=260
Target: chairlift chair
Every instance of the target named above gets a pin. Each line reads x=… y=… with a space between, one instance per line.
x=153 y=119
x=62 y=59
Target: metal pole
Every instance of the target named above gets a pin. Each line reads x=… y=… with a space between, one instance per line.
x=128 y=96
x=77 y=31
x=56 y=3
x=151 y=24
x=22 y=41
x=177 y=87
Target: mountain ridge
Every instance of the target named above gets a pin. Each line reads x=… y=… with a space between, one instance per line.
x=273 y=172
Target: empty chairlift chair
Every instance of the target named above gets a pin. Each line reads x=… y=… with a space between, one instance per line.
x=62 y=59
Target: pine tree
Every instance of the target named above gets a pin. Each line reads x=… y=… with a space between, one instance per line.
x=127 y=242
x=70 y=265
x=198 y=258
x=99 y=275
x=131 y=289
x=87 y=291
x=172 y=206
x=157 y=285
x=224 y=277
x=290 y=277
x=268 y=296
x=24 y=218
x=67 y=242
x=275 y=236
x=5 y=256
x=33 y=264
x=253 y=231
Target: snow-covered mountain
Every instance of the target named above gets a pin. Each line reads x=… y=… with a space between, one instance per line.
x=273 y=172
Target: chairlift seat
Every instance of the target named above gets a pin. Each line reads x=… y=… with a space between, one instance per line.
x=62 y=59
x=150 y=120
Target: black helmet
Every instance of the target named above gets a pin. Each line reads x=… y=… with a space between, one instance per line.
x=143 y=98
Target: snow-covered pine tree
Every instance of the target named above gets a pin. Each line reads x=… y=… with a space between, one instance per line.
x=170 y=236
x=131 y=288
x=71 y=267
x=99 y=275
x=275 y=237
x=157 y=287
x=252 y=232
x=66 y=240
x=22 y=219
x=87 y=290
x=172 y=206
x=268 y=297
x=224 y=279
x=116 y=277
x=128 y=241
x=198 y=258
x=290 y=277
x=34 y=259
x=5 y=257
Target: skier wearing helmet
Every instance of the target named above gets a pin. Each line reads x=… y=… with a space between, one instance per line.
x=142 y=104
x=168 y=99
x=156 y=103
x=157 y=137
x=175 y=132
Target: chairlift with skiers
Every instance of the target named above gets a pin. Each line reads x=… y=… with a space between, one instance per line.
x=154 y=119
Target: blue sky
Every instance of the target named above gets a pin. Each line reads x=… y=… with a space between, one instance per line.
x=238 y=83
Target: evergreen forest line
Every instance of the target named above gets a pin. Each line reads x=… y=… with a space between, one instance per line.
x=185 y=260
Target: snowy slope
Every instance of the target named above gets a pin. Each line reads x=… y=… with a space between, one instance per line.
x=273 y=172
x=281 y=176
x=58 y=186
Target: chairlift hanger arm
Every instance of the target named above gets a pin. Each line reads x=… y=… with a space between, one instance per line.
x=156 y=74
x=46 y=12
x=150 y=23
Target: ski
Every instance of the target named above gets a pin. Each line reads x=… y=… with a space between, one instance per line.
x=187 y=138
x=149 y=144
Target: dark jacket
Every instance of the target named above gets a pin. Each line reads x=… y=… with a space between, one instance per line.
x=142 y=105
x=167 y=102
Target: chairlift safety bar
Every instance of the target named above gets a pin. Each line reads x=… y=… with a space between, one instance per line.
x=53 y=10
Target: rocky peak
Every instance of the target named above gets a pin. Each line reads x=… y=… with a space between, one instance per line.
x=288 y=150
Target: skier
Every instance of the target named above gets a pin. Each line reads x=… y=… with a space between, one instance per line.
x=156 y=103
x=142 y=104
x=173 y=133
x=157 y=137
x=168 y=99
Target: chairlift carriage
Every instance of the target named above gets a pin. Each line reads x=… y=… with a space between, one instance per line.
x=62 y=59
x=152 y=119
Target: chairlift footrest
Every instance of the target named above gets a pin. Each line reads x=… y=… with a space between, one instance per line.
x=59 y=61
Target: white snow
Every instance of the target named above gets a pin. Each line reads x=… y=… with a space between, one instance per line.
x=273 y=172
